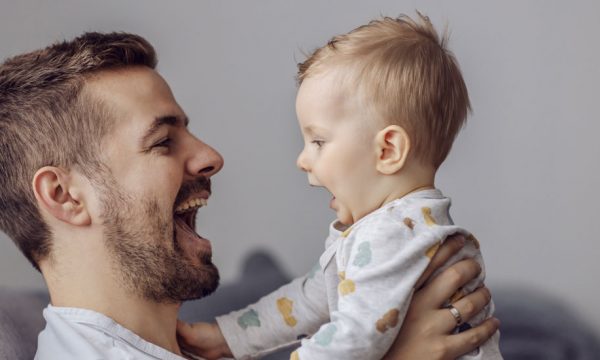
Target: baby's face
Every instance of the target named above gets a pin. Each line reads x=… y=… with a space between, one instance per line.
x=339 y=152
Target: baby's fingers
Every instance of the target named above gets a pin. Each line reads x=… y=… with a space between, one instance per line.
x=185 y=330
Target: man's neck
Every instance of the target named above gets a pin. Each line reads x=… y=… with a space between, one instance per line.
x=152 y=321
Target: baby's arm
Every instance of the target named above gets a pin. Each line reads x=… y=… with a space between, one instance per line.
x=277 y=320
x=383 y=264
x=426 y=334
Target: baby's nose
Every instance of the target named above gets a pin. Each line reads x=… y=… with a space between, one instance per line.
x=301 y=162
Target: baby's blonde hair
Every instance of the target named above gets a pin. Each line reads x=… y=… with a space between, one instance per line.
x=405 y=74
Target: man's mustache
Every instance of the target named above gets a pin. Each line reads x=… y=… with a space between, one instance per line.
x=198 y=185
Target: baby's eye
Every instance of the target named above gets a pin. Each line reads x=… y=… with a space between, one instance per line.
x=319 y=143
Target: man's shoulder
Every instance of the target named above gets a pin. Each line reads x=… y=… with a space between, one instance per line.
x=70 y=334
x=74 y=333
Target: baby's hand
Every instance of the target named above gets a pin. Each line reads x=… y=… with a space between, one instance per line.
x=203 y=339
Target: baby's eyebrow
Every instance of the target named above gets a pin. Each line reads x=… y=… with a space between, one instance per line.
x=312 y=129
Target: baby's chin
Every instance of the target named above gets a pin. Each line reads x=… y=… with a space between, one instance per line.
x=344 y=219
x=348 y=218
x=343 y=214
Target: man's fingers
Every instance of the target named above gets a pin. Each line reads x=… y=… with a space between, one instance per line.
x=447 y=283
x=469 y=306
x=449 y=248
x=473 y=303
x=469 y=340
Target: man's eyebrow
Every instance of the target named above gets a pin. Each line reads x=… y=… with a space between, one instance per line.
x=170 y=120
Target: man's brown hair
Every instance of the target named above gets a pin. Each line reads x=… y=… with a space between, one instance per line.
x=48 y=119
x=404 y=74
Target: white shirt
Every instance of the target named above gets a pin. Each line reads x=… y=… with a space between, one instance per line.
x=74 y=333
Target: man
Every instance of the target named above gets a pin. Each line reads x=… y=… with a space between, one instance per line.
x=100 y=182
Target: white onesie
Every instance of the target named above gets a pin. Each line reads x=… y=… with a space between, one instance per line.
x=351 y=305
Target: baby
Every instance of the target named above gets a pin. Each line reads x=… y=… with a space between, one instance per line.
x=379 y=109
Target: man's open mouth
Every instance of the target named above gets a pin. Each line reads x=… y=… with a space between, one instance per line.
x=188 y=210
x=185 y=224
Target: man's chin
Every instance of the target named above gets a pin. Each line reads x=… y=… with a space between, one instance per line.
x=183 y=281
x=207 y=287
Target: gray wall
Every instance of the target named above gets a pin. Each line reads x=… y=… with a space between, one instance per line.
x=523 y=174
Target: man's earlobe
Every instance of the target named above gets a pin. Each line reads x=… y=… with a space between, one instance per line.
x=59 y=197
x=393 y=146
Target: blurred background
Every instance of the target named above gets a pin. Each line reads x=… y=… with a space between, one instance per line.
x=523 y=174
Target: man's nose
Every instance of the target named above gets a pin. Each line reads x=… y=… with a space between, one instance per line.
x=204 y=160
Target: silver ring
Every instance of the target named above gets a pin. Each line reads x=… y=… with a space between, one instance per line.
x=456 y=314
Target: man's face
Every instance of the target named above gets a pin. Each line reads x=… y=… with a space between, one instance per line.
x=159 y=175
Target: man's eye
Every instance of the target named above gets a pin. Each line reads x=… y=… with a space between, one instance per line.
x=163 y=143
x=319 y=143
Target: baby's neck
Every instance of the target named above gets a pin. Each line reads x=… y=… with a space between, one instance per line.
x=412 y=179
x=385 y=188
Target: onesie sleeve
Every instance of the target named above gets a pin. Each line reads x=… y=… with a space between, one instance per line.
x=279 y=319
x=379 y=263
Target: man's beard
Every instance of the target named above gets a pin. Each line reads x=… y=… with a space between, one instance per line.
x=141 y=237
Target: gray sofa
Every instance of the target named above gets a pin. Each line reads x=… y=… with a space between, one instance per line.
x=534 y=326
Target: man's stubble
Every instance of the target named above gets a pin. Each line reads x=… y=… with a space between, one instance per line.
x=146 y=256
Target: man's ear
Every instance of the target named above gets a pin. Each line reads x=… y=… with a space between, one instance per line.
x=393 y=146
x=60 y=196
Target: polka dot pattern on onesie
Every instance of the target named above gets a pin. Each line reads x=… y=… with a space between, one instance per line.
x=429 y=220
x=346 y=286
x=363 y=256
x=285 y=307
x=325 y=335
x=387 y=321
x=409 y=223
x=248 y=319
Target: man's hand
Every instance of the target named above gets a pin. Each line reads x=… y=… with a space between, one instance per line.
x=203 y=339
x=426 y=332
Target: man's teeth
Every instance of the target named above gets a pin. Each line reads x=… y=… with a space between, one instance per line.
x=191 y=204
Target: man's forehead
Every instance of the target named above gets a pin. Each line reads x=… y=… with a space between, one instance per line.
x=112 y=78
x=135 y=92
x=140 y=103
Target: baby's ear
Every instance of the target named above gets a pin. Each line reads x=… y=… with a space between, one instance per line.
x=393 y=146
x=60 y=196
